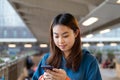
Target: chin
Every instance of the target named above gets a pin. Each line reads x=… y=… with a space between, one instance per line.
x=63 y=50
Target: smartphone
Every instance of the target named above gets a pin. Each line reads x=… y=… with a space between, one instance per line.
x=45 y=67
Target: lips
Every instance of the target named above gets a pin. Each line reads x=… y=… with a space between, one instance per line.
x=62 y=46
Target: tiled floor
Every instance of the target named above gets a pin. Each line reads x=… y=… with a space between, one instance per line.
x=109 y=74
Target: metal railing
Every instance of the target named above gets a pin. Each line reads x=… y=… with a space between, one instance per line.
x=11 y=71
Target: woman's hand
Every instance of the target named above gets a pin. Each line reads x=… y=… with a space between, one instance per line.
x=47 y=76
x=55 y=74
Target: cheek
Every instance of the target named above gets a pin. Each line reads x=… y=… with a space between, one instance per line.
x=55 y=40
x=70 y=41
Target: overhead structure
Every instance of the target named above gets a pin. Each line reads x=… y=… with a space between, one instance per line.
x=37 y=14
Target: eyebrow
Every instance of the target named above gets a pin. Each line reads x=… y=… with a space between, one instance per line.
x=62 y=33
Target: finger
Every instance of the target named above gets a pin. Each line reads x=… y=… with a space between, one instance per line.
x=47 y=75
x=60 y=71
x=52 y=72
x=56 y=70
x=47 y=79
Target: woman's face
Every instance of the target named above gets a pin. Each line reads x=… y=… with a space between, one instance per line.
x=63 y=37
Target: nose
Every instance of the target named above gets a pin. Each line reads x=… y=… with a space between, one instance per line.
x=61 y=40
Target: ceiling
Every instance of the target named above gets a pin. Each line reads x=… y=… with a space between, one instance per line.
x=37 y=14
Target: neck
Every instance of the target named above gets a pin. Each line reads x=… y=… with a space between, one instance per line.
x=66 y=54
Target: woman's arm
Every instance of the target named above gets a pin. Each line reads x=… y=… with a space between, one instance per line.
x=39 y=71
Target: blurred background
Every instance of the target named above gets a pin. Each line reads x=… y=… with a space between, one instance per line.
x=24 y=34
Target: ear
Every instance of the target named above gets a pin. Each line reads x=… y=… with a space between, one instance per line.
x=77 y=32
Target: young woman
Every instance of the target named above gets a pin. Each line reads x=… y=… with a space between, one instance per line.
x=70 y=62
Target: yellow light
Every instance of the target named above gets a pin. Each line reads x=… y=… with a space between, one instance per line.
x=43 y=45
x=104 y=31
x=89 y=36
x=12 y=45
x=113 y=44
x=90 y=21
x=100 y=44
x=27 y=45
x=86 y=45
x=118 y=1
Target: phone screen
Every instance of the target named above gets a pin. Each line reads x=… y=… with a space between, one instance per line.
x=47 y=67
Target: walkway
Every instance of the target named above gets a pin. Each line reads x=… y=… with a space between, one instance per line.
x=109 y=74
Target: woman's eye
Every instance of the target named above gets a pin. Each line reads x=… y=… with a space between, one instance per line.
x=65 y=36
x=56 y=36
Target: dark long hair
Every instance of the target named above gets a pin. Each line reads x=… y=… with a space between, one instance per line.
x=74 y=58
